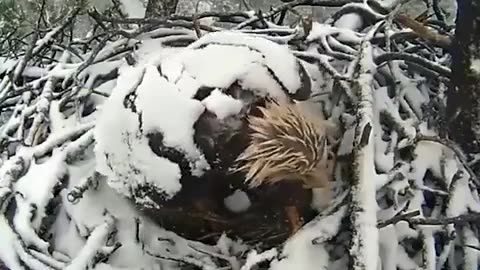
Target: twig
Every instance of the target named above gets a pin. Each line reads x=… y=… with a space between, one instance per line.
x=196 y=22
x=473 y=247
x=29 y=53
x=423 y=31
x=188 y=260
x=438 y=11
x=444 y=71
x=397 y=219
x=461 y=219
x=410 y=218
x=289 y=5
x=452 y=146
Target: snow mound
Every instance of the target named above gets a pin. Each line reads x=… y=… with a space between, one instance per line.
x=146 y=130
x=254 y=62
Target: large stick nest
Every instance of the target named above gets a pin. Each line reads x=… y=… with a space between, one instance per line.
x=382 y=77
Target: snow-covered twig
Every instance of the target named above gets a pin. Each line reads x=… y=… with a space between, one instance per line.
x=364 y=244
x=441 y=70
x=253 y=258
x=95 y=246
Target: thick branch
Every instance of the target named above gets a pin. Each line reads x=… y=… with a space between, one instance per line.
x=364 y=244
x=463 y=103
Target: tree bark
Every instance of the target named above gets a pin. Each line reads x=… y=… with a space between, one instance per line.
x=162 y=8
x=463 y=98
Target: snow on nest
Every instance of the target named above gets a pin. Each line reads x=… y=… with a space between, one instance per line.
x=121 y=134
x=238 y=201
x=256 y=63
x=161 y=91
x=156 y=95
x=33 y=192
x=222 y=105
x=320 y=31
x=300 y=252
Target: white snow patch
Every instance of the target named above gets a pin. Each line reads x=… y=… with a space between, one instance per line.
x=352 y=21
x=158 y=99
x=36 y=189
x=475 y=66
x=254 y=258
x=321 y=31
x=118 y=139
x=222 y=105
x=300 y=252
x=233 y=54
x=134 y=8
x=237 y=202
x=7 y=64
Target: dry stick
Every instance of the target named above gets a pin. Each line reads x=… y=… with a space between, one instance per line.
x=196 y=22
x=182 y=260
x=151 y=23
x=423 y=31
x=166 y=20
x=295 y=3
x=34 y=49
x=78 y=85
x=438 y=11
x=37 y=48
x=29 y=53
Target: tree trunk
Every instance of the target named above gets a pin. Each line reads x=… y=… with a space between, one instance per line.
x=161 y=8
x=463 y=104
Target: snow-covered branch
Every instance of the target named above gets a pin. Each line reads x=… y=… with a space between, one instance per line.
x=362 y=212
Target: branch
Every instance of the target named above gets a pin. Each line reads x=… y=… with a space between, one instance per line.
x=29 y=53
x=396 y=219
x=412 y=220
x=364 y=243
x=289 y=5
x=444 y=71
x=449 y=144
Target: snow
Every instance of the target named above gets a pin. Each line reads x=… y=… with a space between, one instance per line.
x=471 y=255
x=233 y=57
x=320 y=31
x=364 y=247
x=156 y=95
x=222 y=105
x=7 y=254
x=475 y=66
x=320 y=198
x=7 y=64
x=237 y=202
x=93 y=72
x=262 y=53
x=254 y=258
x=157 y=99
x=47 y=38
x=133 y=8
x=349 y=21
x=301 y=253
x=116 y=126
x=31 y=195
x=95 y=241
